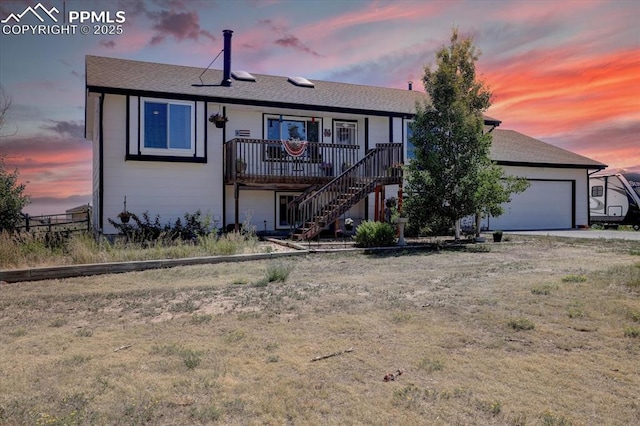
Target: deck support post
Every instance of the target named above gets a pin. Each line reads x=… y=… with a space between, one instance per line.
x=236 y=197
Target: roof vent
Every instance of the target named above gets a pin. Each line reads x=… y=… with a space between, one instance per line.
x=300 y=81
x=242 y=76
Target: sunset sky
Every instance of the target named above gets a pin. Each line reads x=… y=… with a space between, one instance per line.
x=565 y=72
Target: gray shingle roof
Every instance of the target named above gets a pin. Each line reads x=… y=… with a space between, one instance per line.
x=510 y=146
x=175 y=79
x=101 y=72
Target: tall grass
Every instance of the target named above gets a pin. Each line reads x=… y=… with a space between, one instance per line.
x=31 y=250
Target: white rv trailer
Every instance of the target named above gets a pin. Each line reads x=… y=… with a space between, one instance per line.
x=614 y=199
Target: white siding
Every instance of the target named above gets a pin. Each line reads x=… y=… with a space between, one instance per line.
x=378 y=131
x=254 y=208
x=167 y=188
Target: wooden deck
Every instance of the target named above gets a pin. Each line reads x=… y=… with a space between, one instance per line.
x=265 y=163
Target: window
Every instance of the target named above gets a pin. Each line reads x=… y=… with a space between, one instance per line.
x=597 y=191
x=293 y=129
x=282 y=212
x=346 y=132
x=167 y=127
x=299 y=128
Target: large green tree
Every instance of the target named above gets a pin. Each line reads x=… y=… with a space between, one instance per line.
x=452 y=175
x=12 y=197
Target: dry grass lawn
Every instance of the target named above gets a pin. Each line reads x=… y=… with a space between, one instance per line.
x=534 y=331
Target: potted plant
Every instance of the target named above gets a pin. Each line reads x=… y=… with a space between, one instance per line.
x=124 y=215
x=497 y=236
x=348 y=224
x=394 y=169
x=218 y=119
x=241 y=165
x=327 y=168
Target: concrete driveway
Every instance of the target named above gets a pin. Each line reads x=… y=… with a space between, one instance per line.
x=585 y=233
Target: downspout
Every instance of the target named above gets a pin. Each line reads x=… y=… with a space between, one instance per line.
x=101 y=163
x=366 y=150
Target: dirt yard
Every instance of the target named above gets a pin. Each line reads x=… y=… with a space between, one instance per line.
x=532 y=331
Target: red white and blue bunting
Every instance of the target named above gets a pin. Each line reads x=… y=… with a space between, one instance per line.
x=295 y=148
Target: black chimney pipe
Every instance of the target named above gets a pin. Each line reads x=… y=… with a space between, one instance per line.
x=410 y=85
x=226 y=77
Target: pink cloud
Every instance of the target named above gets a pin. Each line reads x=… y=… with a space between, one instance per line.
x=551 y=92
x=50 y=166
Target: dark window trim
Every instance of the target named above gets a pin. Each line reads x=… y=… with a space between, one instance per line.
x=164 y=158
x=548 y=165
x=344 y=120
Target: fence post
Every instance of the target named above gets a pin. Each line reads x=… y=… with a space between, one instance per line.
x=26 y=221
x=88 y=220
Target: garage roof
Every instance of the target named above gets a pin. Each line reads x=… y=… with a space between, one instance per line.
x=512 y=148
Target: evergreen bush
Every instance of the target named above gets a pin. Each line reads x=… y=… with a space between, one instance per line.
x=375 y=234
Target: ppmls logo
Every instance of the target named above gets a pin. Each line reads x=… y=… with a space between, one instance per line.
x=33 y=11
x=102 y=22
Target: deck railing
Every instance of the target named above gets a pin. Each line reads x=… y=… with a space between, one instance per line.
x=267 y=161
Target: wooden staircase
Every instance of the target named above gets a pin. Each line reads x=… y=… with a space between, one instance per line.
x=316 y=208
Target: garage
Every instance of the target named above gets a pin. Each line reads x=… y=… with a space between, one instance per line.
x=546 y=204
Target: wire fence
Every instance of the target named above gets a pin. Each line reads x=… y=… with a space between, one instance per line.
x=62 y=222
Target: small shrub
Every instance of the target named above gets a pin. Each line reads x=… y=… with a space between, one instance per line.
x=430 y=365
x=550 y=419
x=400 y=317
x=273 y=358
x=521 y=324
x=407 y=396
x=492 y=408
x=575 y=310
x=278 y=272
x=633 y=332
x=18 y=333
x=234 y=336
x=184 y=306
x=262 y=282
x=84 y=332
x=190 y=358
x=544 y=289
x=375 y=234
x=574 y=279
x=271 y=346
x=58 y=322
x=635 y=316
x=201 y=319
x=207 y=414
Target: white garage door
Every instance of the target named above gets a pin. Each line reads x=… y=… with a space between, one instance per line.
x=544 y=205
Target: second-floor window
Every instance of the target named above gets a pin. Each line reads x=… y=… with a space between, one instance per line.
x=293 y=129
x=346 y=132
x=167 y=127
